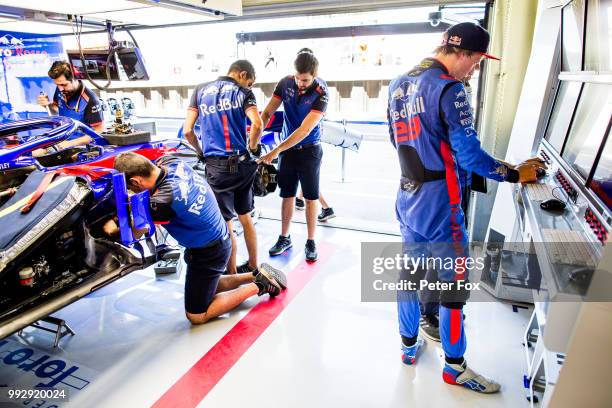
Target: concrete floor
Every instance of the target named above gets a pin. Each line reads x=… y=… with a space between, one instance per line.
x=316 y=345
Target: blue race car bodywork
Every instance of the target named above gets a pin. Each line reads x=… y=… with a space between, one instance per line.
x=52 y=211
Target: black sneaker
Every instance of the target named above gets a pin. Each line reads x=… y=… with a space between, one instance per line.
x=266 y=283
x=311 y=251
x=283 y=244
x=299 y=204
x=429 y=326
x=326 y=214
x=277 y=274
x=246 y=268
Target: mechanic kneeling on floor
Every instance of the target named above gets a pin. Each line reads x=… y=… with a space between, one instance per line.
x=183 y=199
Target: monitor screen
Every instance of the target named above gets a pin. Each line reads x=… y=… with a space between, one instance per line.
x=602 y=178
x=588 y=127
x=133 y=64
x=95 y=65
x=571 y=39
x=561 y=116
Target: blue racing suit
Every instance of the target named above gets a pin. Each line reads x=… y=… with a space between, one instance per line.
x=431 y=126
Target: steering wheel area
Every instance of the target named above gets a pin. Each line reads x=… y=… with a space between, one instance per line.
x=71 y=155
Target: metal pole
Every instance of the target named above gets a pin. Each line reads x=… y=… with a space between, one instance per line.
x=343 y=163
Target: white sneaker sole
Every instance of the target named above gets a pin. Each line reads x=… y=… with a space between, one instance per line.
x=277 y=275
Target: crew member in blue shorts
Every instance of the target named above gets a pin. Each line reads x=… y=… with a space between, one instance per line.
x=222 y=107
x=304 y=97
x=184 y=200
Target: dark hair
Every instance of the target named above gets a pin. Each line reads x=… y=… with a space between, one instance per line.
x=306 y=62
x=60 y=68
x=243 y=65
x=133 y=164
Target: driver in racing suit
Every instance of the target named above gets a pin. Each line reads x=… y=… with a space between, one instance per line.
x=431 y=126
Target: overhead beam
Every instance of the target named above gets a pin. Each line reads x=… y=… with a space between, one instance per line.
x=314 y=7
x=348 y=31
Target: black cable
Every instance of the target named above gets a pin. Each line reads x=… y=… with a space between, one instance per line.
x=111 y=53
x=559 y=198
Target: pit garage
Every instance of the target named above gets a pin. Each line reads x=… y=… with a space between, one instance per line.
x=416 y=212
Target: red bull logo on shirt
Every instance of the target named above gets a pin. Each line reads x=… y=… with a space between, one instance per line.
x=223 y=105
x=408 y=110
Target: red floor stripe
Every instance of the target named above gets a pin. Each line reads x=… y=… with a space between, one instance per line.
x=196 y=383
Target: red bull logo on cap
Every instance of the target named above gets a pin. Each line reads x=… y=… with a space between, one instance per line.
x=455 y=40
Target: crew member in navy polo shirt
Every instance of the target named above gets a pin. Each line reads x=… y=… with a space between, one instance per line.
x=74 y=100
x=222 y=107
x=183 y=199
x=304 y=97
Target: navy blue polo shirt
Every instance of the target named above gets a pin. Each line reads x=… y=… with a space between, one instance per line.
x=184 y=200
x=222 y=105
x=83 y=106
x=297 y=106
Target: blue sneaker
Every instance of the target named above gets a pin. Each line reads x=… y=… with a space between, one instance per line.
x=460 y=374
x=283 y=244
x=409 y=353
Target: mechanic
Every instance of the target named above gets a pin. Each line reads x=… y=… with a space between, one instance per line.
x=74 y=100
x=431 y=126
x=223 y=106
x=304 y=97
x=183 y=199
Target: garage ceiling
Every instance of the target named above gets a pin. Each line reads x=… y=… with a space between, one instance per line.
x=252 y=8
x=50 y=16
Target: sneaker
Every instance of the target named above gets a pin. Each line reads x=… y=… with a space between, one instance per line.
x=277 y=274
x=460 y=374
x=283 y=244
x=311 y=250
x=246 y=268
x=409 y=353
x=266 y=281
x=326 y=214
x=429 y=326
x=299 y=204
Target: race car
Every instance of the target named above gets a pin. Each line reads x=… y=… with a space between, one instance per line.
x=52 y=209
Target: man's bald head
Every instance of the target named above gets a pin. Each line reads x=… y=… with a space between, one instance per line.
x=140 y=172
